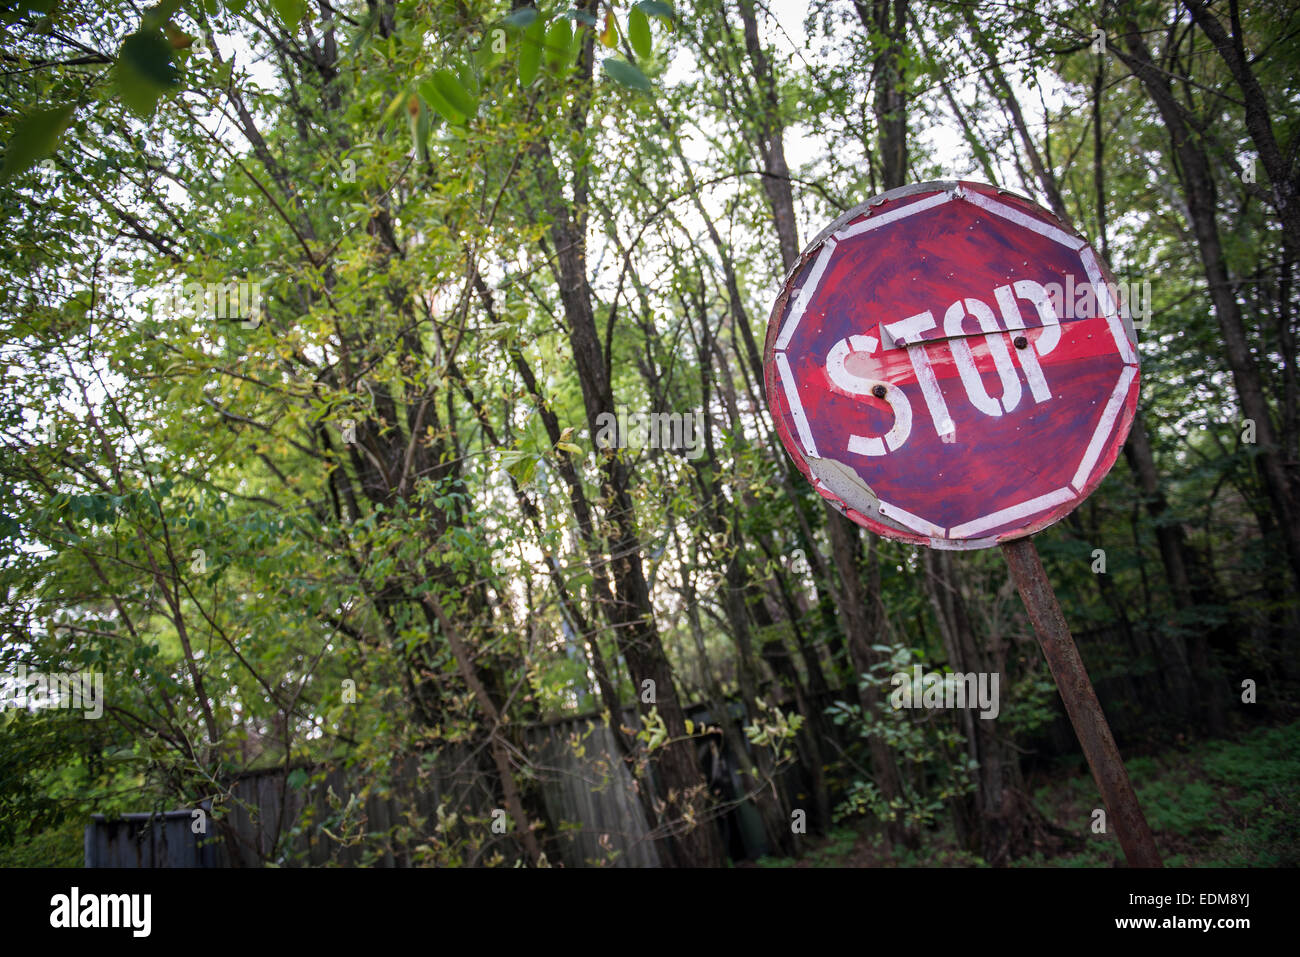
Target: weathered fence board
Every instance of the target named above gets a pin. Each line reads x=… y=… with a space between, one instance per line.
x=150 y=840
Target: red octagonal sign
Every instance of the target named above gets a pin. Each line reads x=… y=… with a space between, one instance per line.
x=949 y=365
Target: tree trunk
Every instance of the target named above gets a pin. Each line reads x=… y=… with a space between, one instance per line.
x=1200 y=193
x=854 y=606
x=629 y=610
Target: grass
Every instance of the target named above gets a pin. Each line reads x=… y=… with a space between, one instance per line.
x=1221 y=803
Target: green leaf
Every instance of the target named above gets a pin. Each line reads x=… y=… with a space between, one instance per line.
x=523 y=17
x=520 y=465
x=145 y=70
x=469 y=79
x=626 y=74
x=654 y=8
x=219 y=237
x=530 y=54
x=638 y=32
x=394 y=106
x=569 y=447
x=419 y=122
x=558 y=38
x=35 y=136
x=150 y=55
x=448 y=84
x=297 y=778
x=609 y=36
x=156 y=16
x=290 y=12
x=433 y=96
x=575 y=45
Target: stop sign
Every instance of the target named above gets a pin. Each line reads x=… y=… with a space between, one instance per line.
x=949 y=366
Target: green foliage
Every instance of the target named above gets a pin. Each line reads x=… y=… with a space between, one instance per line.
x=1224 y=803
x=60 y=846
x=638 y=32
x=773 y=728
x=937 y=769
x=34 y=136
x=625 y=73
x=145 y=70
x=530 y=53
x=290 y=12
x=1263 y=775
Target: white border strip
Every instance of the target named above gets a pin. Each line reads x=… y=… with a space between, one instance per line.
x=1028 y=222
x=962 y=544
x=884 y=219
x=914 y=522
x=1104 y=427
x=806 y=294
x=1002 y=516
x=1108 y=309
x=796 y=407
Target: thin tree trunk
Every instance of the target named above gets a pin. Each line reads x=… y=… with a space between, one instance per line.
x=1284 y=181
x=496 y=743
x=854 y=607
x=1200 y=192
x=629 y=610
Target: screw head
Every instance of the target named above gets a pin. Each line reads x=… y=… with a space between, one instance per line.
x=1021 y=342
x=878 y=391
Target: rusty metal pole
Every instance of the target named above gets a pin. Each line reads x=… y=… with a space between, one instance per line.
x=1081 y=703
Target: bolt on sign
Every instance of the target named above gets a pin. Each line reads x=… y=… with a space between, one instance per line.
x=928 y=377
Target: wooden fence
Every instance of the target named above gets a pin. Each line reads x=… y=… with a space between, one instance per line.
x=334 y=818
x=338 y=817
x=149 y=840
